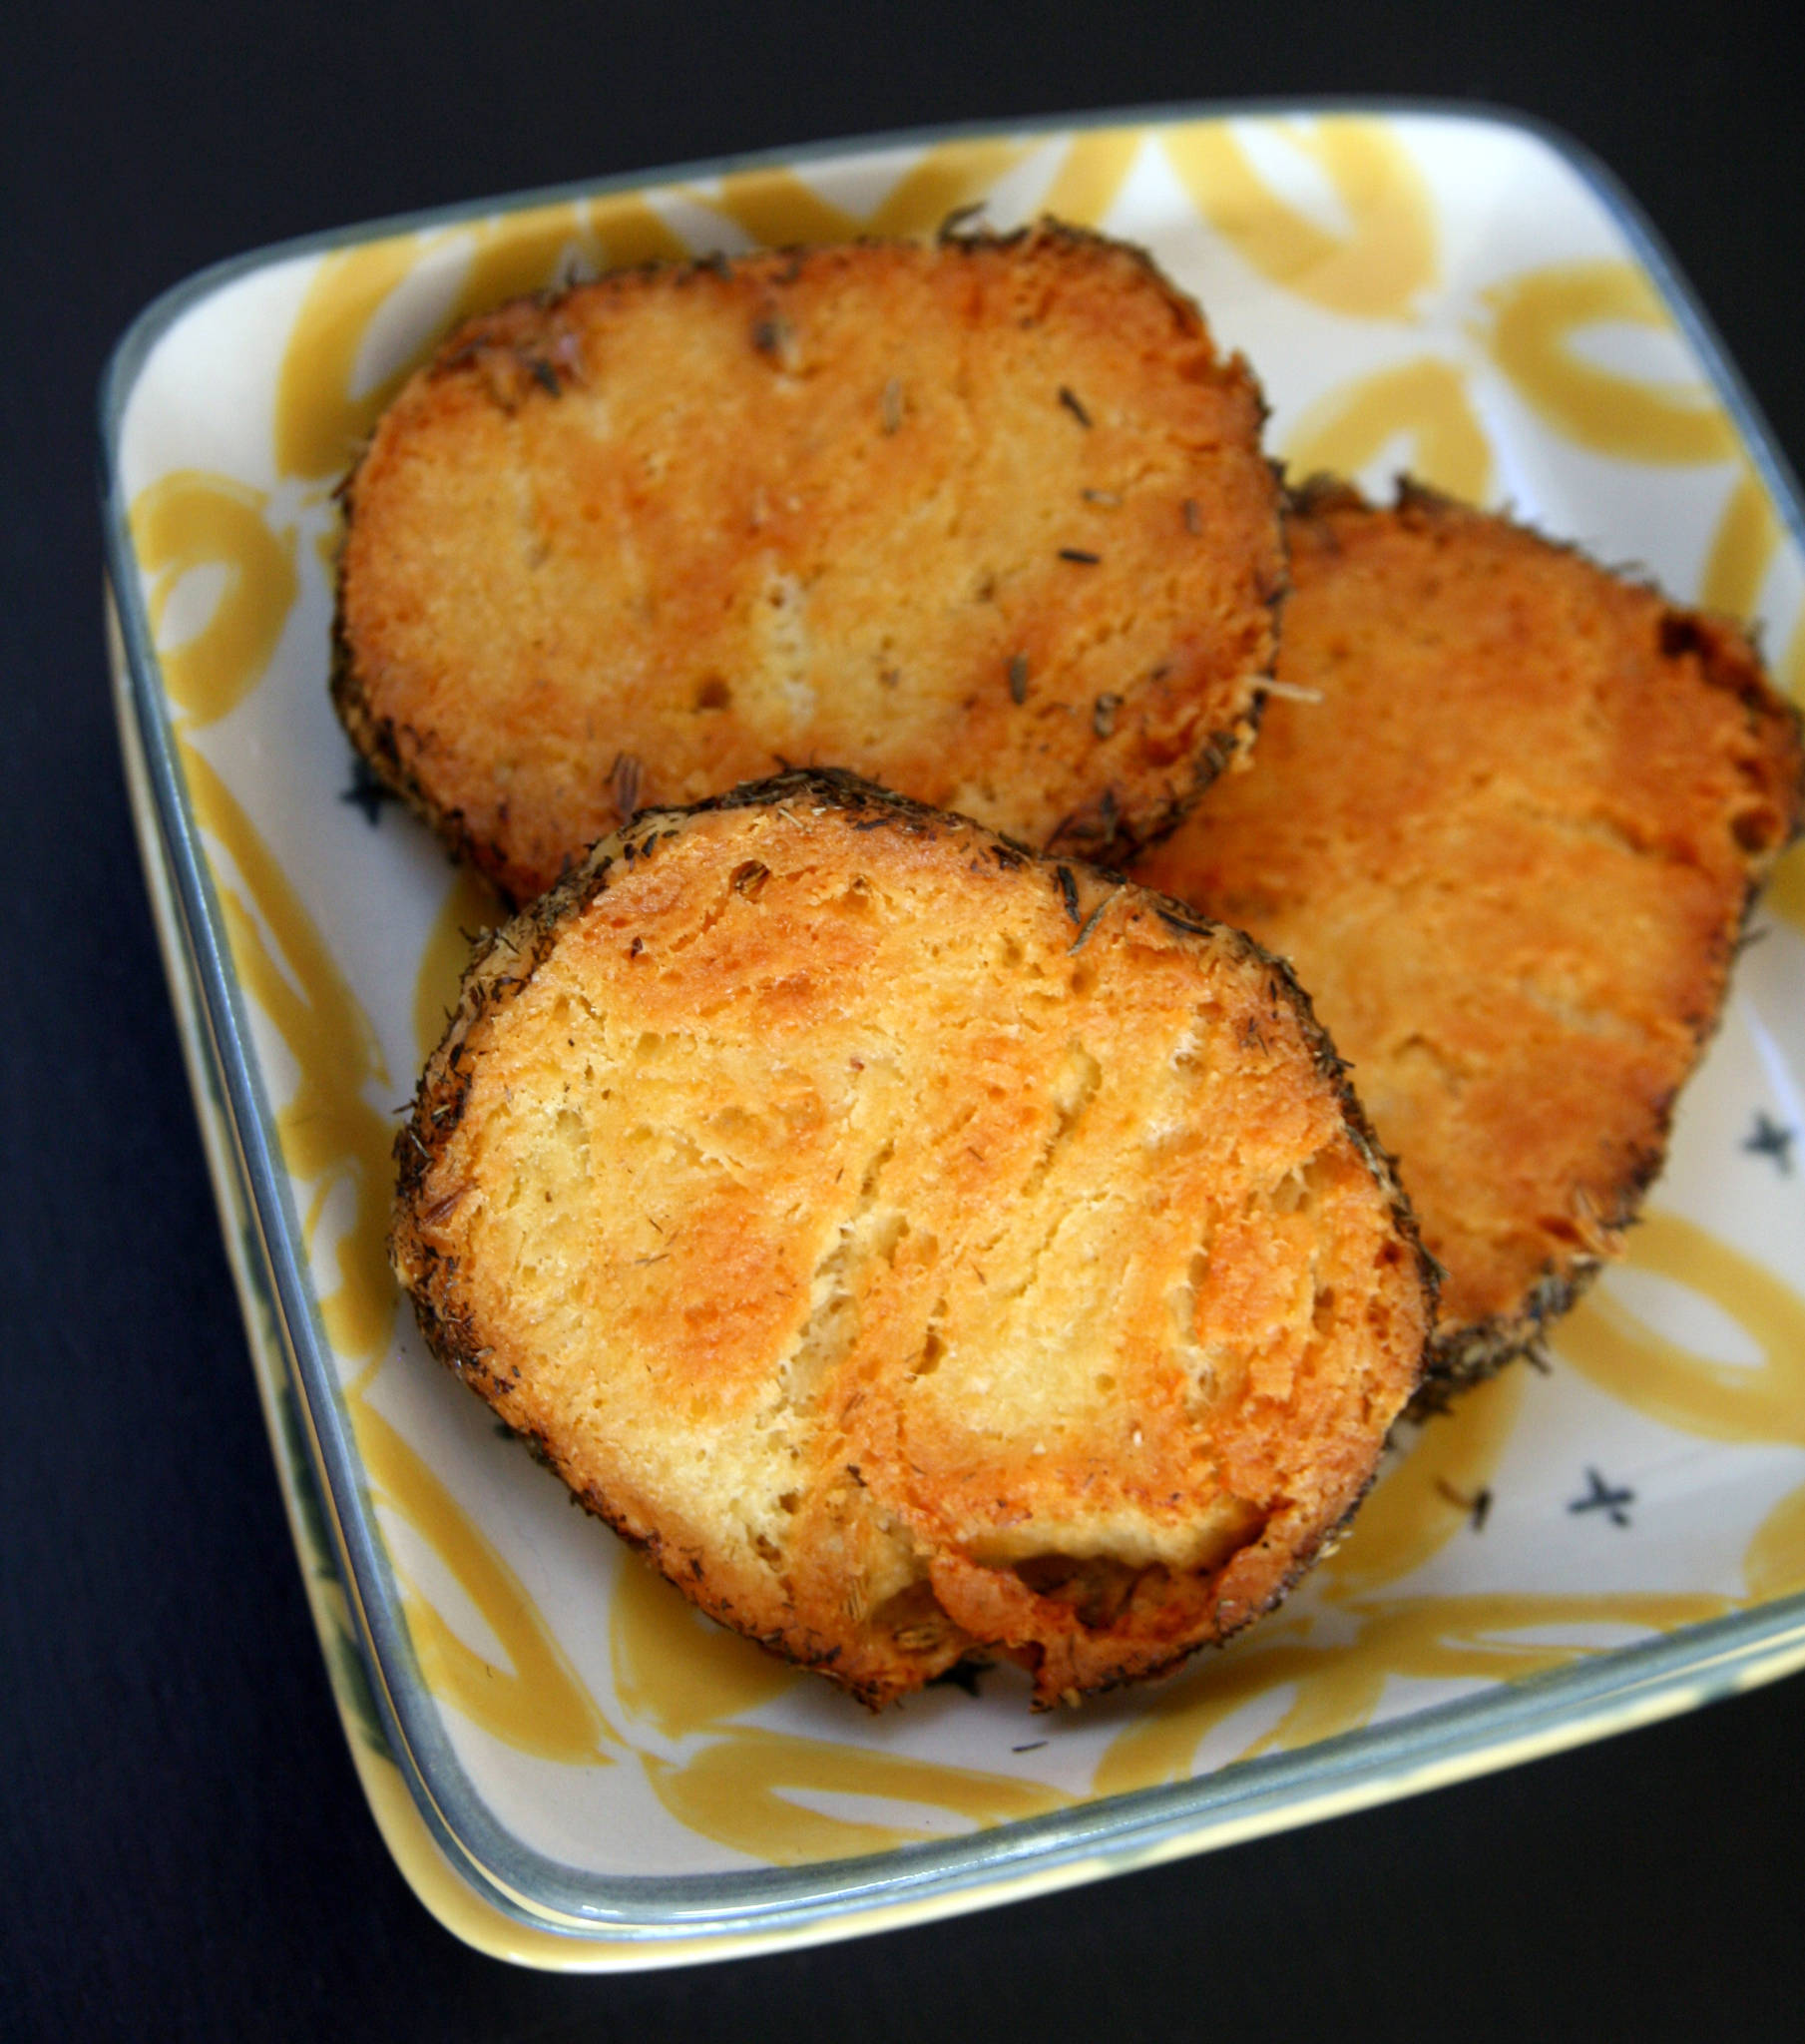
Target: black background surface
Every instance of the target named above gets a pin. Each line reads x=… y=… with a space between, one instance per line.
x=185 y=1850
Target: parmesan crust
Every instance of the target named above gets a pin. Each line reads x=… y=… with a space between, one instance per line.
x=1509 y=816
x=987 y=520
x=918 y=1247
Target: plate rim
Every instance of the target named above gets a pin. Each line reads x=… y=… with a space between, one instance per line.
x=664 y=1918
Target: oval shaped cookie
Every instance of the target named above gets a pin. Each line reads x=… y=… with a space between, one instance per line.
x=918 y=1247
x=1508 y=817
x=984 y=519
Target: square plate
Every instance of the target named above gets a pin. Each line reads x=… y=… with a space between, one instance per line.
x=571 y=1767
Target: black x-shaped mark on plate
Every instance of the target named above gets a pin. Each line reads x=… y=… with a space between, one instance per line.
x=1772 y=1139
x=1613 y=1500
x=367 y=792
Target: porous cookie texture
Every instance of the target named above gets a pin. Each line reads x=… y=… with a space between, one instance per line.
x=1508 y=817
x=919 y=1246
x=984 y=519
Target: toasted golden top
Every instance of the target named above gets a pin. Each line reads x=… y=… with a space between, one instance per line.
x=987 y=520
x=917 y=1244
x=1508 y=852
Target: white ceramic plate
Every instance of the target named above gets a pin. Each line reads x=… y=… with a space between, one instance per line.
x=570 y=1766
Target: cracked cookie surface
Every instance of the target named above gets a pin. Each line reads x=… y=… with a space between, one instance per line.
x=985 y=520
x=1507 y=819
x=919 y=1246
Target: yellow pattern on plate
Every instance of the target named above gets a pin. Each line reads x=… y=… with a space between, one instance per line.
x=1647 y=1369
x=325 y=409
x=777 y=206
x=686 y=1686
x=1423 y=403
x=677 y=1669
x=1375 y=268
x=1091 y=176
x=538 y=1703
x=187 y=522
x=470 y=907
x=1537 y=319
x=734 y=1791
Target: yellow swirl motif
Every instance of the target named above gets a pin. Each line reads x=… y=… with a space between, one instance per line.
x=1431 y=1492
x=1336 y=1687
x=779 y=209
x=734 y=1791
x=1742 y=548
x=1774 y=1562
x=1376 y=268
x=1785 y=897
x=685 y=1675
x=538 y=1704
x=470 y=905
x=1723 y=1401
x=1536 y=317
x=1091 y=174
x=330 y=1135
x=318 y=421
x=321 y=415
x=678 y=1669
x=333 y=1137
x=190 y=520
x=1423 y=402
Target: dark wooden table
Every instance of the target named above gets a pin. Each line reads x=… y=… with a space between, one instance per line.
x=185 y=1850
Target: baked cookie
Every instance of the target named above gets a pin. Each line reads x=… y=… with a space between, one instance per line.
x=1507 y=819
x=984 y=519
x=919 y=1246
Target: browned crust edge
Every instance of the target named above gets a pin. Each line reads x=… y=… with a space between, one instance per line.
x=505 y=960
x=1100 y=831
x=1462 y=1357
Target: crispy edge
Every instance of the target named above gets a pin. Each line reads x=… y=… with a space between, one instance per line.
x=1100 y=831
x=1462 y=1357
x=505 y=962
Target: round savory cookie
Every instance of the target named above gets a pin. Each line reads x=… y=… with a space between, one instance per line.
x=986 y=519
x=1507 y=818
x=921 y=1248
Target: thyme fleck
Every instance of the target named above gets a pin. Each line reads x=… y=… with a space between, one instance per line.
x=1091 y=922
x=1478 y=1507
x=624 y=787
